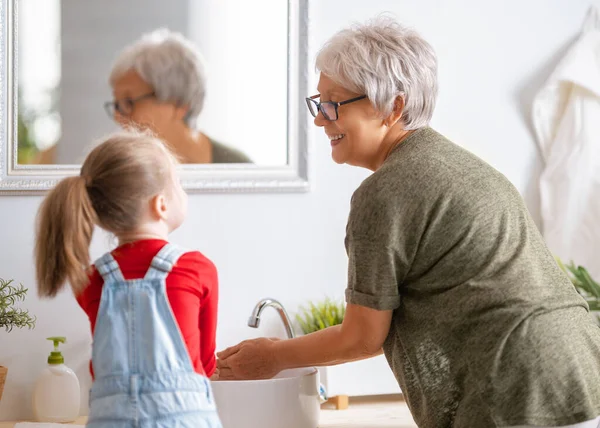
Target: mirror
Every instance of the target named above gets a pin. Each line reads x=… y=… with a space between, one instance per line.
x=235 y=119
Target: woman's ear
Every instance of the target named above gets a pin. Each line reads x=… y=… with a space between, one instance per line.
x=158 y=207
x=397 y=111
x=181 y=112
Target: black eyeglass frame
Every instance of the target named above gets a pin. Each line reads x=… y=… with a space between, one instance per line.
x=114 y=106
x=318 y=105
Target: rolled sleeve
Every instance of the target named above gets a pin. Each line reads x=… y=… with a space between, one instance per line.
x=374 y=275
x=380 y=303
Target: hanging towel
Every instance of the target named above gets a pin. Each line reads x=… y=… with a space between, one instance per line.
x=566 y=119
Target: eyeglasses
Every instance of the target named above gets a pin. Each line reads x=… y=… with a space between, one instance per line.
x=329 y=109
x=125 y=105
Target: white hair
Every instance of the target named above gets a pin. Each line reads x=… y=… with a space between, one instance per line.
x=171 y=64
x=383 y=60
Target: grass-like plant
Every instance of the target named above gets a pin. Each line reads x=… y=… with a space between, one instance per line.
x=10 y=315
x=320 y=315
x=584 y=284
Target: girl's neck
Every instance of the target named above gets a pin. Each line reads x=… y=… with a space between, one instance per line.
x=140 y=236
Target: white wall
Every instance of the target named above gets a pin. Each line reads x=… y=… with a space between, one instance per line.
x=493 y=56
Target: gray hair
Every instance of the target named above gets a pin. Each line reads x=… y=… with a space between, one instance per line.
x=383 y=60
x=171 y=64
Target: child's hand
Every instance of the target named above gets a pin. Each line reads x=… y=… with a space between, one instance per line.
x=215 y=375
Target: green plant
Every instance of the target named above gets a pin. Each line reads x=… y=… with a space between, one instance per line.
x=320 y=315
x=27 y=149
x=27 y=116
x=583 y=282
x=10 y=316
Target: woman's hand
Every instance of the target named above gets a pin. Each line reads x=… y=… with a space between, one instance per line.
x=361 y=335
x=250 y=359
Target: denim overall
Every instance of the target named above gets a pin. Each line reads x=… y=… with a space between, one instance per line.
x=143 y=373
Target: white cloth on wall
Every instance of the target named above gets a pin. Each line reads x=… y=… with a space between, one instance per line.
x=566 y=119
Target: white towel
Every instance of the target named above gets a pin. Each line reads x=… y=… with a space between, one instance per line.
x=566 y=118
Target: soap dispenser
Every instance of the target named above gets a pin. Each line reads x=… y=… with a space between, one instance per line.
x=56 y=397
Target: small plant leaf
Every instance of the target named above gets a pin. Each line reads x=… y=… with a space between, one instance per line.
x=584 y=284
x=10 y=316
x=316 y=316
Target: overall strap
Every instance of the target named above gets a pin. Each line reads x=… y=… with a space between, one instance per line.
x=109 y=269
x=163 y=262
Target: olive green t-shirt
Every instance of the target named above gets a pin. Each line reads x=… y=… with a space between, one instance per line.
x=225 y=154
x=487 y=330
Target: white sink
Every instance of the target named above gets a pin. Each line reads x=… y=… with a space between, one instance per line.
x=289 y=400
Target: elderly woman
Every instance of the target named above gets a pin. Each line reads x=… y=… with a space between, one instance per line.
x=159 y=83
x=447 y=271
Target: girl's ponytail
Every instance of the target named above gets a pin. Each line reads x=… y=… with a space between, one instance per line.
x=65 y=225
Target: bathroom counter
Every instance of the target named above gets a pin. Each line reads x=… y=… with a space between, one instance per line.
x=80 y=421
x=369 y=414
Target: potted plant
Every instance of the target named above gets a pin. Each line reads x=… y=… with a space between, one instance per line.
x=320 y=315
x=584 y=284
x=11 y=316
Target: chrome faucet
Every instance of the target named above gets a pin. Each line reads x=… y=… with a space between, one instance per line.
x=254 y=320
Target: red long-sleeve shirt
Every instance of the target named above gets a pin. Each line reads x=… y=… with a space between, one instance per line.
x=192 y=291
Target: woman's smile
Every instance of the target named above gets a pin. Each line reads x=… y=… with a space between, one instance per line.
x=335 y=139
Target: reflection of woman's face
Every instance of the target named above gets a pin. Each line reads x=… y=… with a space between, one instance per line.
x=147 y=112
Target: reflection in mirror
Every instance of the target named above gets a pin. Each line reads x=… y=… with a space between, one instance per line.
x=201 y=74
x=38 y=117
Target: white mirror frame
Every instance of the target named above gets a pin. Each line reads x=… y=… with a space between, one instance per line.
x=18 y=179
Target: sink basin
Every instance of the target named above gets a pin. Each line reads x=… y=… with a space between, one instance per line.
x=290 y=400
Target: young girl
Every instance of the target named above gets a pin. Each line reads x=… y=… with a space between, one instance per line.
x=152 y=306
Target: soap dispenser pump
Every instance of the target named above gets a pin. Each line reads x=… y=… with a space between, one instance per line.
x=56 y=397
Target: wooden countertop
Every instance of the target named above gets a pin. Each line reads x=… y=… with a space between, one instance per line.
x=79 y=421
x=370 y=414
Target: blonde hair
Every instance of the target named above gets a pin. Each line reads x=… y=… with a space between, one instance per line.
x=117 y=178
